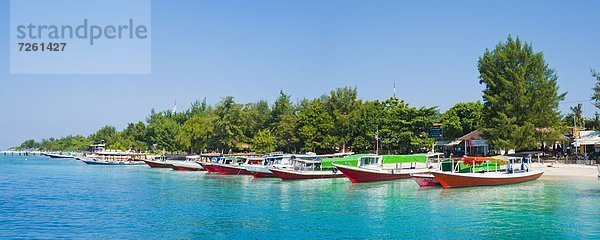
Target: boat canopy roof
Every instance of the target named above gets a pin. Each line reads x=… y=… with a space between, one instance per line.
x=470 y=160
x=387 y=159
x=119 y=153
x=307 y=161
x=351 y=160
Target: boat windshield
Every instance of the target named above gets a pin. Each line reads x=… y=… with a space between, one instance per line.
x=369 y=161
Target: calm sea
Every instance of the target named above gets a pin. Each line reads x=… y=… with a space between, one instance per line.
x=49 y=198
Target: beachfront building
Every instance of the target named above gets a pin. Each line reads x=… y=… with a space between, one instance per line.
x=472 y=144
x=587 y=144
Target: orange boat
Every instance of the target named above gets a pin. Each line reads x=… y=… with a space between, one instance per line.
x=509 y=175
x=454 y=180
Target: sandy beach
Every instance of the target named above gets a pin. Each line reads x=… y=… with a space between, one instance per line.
x=569 y=171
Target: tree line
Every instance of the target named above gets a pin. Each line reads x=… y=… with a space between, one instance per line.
x=337 y=121
x=519 y=111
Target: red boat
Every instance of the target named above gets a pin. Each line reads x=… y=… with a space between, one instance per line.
x=516 y=170
x=209 y=167
x=229 y=169
x=187 y=166
x=158 y=164
x=262 y=174
x=374 y=168
x=361 y=175
x=453 y=180
x=425 y=180
x=278 y=161
x=289 y=174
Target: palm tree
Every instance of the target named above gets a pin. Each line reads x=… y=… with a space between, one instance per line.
x=577 y=114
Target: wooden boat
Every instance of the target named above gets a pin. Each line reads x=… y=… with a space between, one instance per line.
x=454 y=180
x=498 y=176
x=386 y=167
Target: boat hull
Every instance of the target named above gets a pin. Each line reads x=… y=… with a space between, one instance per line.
x=426 y=180
x=361 y=175
x=209 y=167
x=187 y=167
x=158 y=164
x=285 y=174
x=224 y=169
x=115 y=163
x=454 y=180
x=257 y=174
x=57 y=155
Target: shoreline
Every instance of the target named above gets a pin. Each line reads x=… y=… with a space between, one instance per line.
x=564 y=171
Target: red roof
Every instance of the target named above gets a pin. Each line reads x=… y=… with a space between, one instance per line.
x=474 y=135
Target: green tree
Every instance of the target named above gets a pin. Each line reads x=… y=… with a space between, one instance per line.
x=284 y=123
x=197 y=133
x=228 y=124
x=315 y=126
x=366 y=119
x=105 y=134
x=461 y=119
x=520 y=96
x=593 y=123
x=135 y=136
x=405 y=128
x=282 y=106
x=340 y=104
x=28 y=144
x=255 y=116
x=596 y=95
x=264 y=141
x=575 y=117
x=161 y=130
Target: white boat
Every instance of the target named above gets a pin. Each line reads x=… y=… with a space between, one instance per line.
x=286 y=161
x=96 y=161
x=189 y=164
x=114 y=158
x=58 y=155
x=264 y=171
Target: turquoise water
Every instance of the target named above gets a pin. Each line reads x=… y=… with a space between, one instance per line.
x=48 y=198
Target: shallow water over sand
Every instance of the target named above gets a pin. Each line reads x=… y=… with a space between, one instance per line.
x=42 y=197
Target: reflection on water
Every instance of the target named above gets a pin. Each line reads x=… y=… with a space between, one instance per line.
x=42 y=197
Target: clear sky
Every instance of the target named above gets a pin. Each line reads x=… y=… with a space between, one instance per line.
x=253 y=49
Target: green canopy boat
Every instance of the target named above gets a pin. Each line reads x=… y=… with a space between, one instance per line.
x=352 y=160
